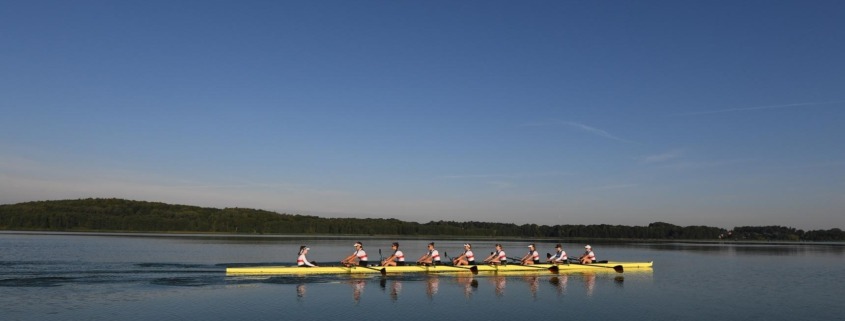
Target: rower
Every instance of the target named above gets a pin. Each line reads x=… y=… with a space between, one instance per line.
x=560 y=255
x=589 y=256
x=432 y=257
x=397 y=258
x=497 y=257
x=359 y=255
x=467 y=258
x=532 y=257
x=301 y=260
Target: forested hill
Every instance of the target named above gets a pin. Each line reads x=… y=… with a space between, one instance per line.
x=139 y=216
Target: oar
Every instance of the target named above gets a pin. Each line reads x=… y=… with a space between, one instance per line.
x=515 y=260
x=383 y=271
x=473 y=269
x=553 y=268
x=617 y=268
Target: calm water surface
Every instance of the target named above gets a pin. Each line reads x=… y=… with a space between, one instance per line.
x=166 y=277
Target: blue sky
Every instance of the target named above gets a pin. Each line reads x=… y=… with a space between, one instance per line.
x=718 y=113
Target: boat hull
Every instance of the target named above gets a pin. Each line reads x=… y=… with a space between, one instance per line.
x=561 y=268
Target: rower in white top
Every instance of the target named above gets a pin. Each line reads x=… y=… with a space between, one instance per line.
x=397 y=258
x=467 y=258
x=359 y=255
x=559 y=256
x=432 y=257
x=301 y=260
x=532 y=257
x=589 y=256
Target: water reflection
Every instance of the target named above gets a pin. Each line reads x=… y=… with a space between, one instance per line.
x=499 y=284
x=357 y=289
x=300 y=291
x=395 y=288
x=533 y=284
x=559 y=283
x=619 y=281
x=589 y=282
x=744 y=249
x=432 y=285
x=469 y=283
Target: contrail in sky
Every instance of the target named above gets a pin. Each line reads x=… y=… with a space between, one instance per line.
x=594 y=131
x=762 y=108
x=580 y=127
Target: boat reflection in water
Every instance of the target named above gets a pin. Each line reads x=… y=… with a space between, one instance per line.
x=496 y=282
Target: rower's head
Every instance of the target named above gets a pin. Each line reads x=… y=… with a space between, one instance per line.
x=359 y=245
x=558 y=246
x=498 y=246
x=395 y=245
x=303 y=249
x=531 y=247
x=431 y=245
x=467 y=246
x=588 y=247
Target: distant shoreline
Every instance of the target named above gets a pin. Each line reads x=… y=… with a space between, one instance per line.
x=128 y=216
x=153 y=234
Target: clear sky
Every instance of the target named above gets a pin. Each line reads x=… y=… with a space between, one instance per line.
x=717 y=113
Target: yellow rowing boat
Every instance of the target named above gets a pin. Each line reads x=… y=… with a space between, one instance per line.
x=559 y=268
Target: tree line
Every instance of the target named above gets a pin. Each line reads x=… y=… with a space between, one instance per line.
x=140 y=216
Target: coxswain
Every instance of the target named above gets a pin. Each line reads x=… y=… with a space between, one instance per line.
x=301 y=260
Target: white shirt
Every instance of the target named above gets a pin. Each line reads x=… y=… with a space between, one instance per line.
x=435 y=255
x=301 y=260
x=559 y=256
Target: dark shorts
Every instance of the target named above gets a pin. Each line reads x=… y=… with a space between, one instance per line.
x=471 y=263
x=362 y=263
x=536 y=261
x=401 y=263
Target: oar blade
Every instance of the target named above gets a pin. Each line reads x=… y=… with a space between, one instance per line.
x=554 y=269
x=618 y=269
x=474 y=269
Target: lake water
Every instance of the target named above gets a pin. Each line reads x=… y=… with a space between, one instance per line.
x=53 y=276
